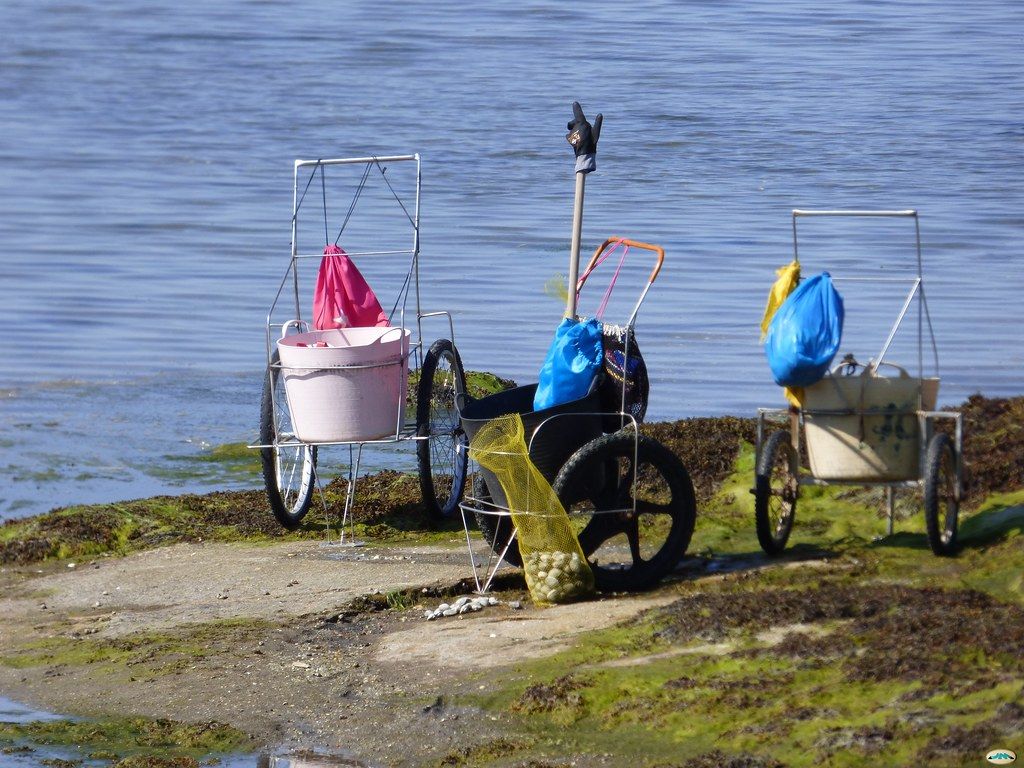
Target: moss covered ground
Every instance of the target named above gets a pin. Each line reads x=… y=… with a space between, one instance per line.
x=857 y=652
x=387 y=510
x=124 y=742
x=861 y=649
x=853 y=648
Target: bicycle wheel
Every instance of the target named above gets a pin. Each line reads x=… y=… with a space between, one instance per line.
x=638 y=504
x=441 y=456
x=288 y=472
x=941 y=507
x=775 y=492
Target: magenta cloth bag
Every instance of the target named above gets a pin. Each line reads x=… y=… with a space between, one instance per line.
x=342 y=298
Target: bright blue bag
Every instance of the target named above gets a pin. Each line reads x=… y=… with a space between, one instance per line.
x=804 y=335
x=573 y=361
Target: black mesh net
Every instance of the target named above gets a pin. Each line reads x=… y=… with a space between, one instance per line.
x=624 y=385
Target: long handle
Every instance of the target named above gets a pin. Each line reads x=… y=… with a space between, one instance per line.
x=574 y=249
x=583 y=138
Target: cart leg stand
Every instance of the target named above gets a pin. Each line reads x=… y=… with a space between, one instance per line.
x=347 y=515
x=490 y=568
x=890 y=506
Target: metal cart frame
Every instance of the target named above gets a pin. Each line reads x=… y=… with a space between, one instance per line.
x=943 y=542
x=626 y=444
x=289 y=464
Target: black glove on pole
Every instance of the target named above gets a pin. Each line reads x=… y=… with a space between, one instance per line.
x=583 y=139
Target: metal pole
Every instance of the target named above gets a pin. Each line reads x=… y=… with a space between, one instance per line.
x=416 y=269
x=574 y=249
x=896 y=325
x=295 y=235
x=890 y=505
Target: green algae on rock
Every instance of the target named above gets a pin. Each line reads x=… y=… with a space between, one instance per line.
x=717 y=451
x=131 y=742
x=148 y=654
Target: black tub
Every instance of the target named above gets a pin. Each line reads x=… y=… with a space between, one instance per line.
x=555 y=441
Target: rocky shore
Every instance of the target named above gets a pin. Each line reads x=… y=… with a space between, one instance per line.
x=199 y=612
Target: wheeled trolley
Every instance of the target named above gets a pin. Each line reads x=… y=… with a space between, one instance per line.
x=630 y=499
x=347 y=386
x=859 y=426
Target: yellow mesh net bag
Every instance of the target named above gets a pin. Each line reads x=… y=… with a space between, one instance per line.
x=556 y=568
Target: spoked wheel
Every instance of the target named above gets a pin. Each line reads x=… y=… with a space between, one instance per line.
x=442 y=455
x=941 y=507
x=288 y=472
x=637 y=501
x=496 y=529
x=775 y=492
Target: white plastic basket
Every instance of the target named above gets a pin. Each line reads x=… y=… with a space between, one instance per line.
x=879 y=435
x=353 y=389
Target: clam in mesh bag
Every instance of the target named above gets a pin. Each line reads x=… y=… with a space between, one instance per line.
x=556 y=568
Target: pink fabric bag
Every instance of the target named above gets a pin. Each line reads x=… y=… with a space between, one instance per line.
x=342 y=298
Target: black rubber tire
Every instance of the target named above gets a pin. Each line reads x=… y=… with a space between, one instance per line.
x=599 y=476
x=940 y=496
x=496 y=529
x=776 y=479
x=291 y=502
x=442 y=456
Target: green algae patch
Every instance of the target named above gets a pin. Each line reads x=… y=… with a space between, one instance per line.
x=478 y=384
x=827 y=518
x=824 y=671
x=228 y=461
x=718 y=452
x=481 y=384
x=89 y=530
x=388 y=509
x=140 y=654
x=992 y=557
x=131 y=742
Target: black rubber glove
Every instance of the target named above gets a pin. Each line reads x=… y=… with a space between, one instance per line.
x=583 y=138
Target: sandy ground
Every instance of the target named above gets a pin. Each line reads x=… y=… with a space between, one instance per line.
x=310 y=672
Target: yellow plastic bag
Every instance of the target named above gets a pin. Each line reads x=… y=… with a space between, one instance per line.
x=556 y=568
x=787 y=280
x=788 y=277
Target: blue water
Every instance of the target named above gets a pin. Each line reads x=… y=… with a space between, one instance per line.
x=145 y=195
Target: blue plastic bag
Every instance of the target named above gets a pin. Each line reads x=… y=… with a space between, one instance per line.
x=805 y=332
x=573 y=361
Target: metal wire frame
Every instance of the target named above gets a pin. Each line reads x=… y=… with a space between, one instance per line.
x=917 y=284
x=404 y=430
x=472 y=505
x=926 y=419
x=926 y=426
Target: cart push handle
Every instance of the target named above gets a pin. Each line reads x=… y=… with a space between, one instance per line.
x=613 y=241
x=603 y=252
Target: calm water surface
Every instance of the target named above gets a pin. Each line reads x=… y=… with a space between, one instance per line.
x=145 y=196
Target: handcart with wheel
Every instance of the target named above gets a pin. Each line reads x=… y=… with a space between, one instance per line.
x=630 y=500
x=348 y=386
x=858 y=426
